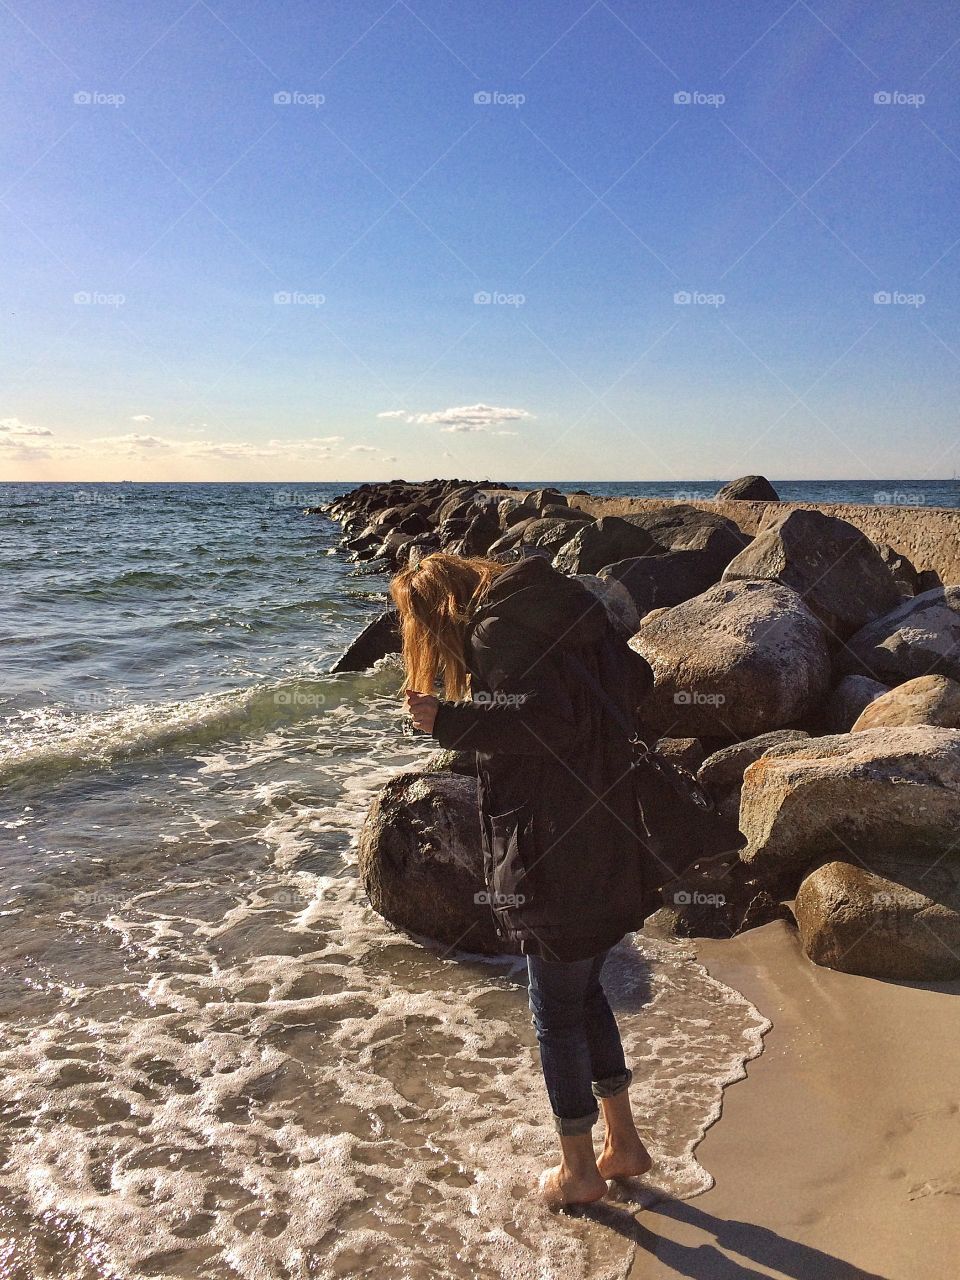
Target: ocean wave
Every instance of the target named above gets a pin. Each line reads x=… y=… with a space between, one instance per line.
x=61 y=743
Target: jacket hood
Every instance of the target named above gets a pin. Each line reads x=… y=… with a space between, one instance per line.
x=534 y=596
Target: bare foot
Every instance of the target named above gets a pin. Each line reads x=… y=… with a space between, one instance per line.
x=558 y=1186
x=624 y=1161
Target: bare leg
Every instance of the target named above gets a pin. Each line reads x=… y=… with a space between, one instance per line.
x=576 y=1180
x=624 y=1155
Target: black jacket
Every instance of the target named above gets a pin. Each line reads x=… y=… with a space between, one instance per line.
x=558 y=809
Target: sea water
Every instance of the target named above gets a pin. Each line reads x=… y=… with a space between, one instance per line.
x=216 y=1060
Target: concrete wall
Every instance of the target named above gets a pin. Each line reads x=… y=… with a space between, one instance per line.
x=928 y=536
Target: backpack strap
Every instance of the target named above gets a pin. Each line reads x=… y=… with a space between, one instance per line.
x=593 y=683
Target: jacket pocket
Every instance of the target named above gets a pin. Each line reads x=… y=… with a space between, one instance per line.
x=510 y=857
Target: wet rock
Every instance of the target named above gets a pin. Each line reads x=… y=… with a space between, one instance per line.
x=421 y=860
x=835 y=568
x=926 y=700
x=716 y=898
x=921 y=637
x=843 y=705
x=616 y=600
x=748 y=489
x=901 y=923
x=711 y=540
x=446 y=761
x=689 y=753
x=873 y=793
x=738 y=660
x=376 y=640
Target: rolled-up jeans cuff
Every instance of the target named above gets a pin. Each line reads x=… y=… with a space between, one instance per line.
x=613 y=1085
x=579 y=1124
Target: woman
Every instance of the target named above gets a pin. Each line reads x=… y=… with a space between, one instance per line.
x=528 y=647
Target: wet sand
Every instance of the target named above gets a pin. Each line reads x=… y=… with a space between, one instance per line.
x=839 y=1156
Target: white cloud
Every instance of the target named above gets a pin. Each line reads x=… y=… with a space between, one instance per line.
x=14 y=427
x=466 y=417
x=362 y=448
x=134 y=442
x=142 y=417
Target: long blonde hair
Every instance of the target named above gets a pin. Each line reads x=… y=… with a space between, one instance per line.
x=436 y=600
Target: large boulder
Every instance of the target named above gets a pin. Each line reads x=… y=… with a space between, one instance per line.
x=668 y=578
x=376 y=640
x=740 y=659
x=721 y=773
x=748 y=489
x=421 y=860
x=616 y=600
x=872 y=793
x=926 y=700
x=902 y=924
x=831 y=563
x=846 y=701
x=711 y=540
x=920 y=638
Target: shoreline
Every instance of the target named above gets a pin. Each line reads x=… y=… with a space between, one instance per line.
x=836 y=1155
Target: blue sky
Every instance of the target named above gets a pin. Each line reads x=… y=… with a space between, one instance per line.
x=573 y=240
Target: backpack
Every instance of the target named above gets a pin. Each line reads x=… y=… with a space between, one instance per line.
x=678 y=821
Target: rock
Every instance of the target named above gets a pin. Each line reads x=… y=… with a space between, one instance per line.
x=740 y=659
x=873 y=793
x=722 y=772
x=541 y=498
x=616 y=600
x=748 y=489
x=549 y=532
x=926 y=700
x=716 y=898
x=635 y=575
x=846 y=701
x=456 y=504
x=376 y=640
x=687 y=752
x=921 y=637
x=711 y=541
x=902 y=925
x=835 y=567
x=421 y=860
x=446 y=761
x=511 y=512
x=901 y=570
x=571 y=514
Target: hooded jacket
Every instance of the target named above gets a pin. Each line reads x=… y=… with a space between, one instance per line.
x=558 y=806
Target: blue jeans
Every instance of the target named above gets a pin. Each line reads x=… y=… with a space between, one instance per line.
x=580 y=1050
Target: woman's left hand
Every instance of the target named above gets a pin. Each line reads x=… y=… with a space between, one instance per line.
x=423 y=708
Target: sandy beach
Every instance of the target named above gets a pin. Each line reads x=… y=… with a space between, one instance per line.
x=838 y=1155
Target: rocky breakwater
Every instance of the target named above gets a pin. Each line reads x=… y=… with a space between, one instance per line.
x=817 y=691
